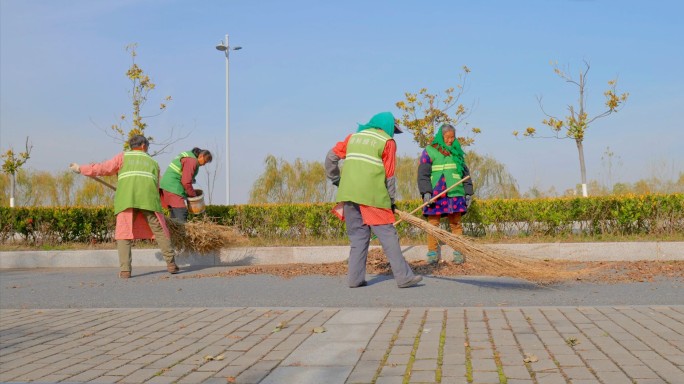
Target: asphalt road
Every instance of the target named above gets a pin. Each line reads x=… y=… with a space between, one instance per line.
x=154 y=288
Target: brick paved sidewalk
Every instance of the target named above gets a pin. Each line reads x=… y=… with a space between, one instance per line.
x=631 y=344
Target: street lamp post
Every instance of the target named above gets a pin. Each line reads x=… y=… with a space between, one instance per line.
x=224 y=47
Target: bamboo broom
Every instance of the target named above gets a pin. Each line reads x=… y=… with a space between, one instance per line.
x=202 y=236
x=496 y=262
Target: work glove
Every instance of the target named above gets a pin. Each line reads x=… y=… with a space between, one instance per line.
x=426 y=199
x=75 y=168
x=336 y=182
x=468 y=199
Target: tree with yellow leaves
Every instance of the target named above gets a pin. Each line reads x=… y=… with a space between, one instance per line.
x=423 y=112
x=577 y=122
x=12 y=163
x=141 y=86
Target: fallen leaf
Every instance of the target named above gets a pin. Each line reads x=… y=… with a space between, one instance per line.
x=219 y=357
x=318 y=330
x=230 y=379
x=530 y=358
x=208 y=357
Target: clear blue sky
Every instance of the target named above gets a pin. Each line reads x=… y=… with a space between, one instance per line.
x=310 y=70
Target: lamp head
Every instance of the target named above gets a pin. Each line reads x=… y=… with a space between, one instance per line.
x=237 y=48
x=221 y=46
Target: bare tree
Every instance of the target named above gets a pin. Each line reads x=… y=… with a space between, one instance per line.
x=577 y=122
x=211 y=171
x=141 y=86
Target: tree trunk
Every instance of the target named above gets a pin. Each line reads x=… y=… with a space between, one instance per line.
x=583 y=170
x=12 y=189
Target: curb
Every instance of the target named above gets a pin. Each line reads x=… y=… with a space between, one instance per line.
x=615 y=251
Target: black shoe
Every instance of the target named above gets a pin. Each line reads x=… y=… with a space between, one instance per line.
x=415 y=280
x=363 y=284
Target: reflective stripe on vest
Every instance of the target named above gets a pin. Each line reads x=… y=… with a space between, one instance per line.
x=137 y=185
x=363 y=173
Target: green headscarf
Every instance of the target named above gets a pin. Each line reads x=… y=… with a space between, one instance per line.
x=383 y=120
x=455 y=148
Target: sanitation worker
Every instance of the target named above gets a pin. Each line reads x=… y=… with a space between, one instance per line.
x=366 y=195
x=136 y=203
x=176 y=184
x=441 y=166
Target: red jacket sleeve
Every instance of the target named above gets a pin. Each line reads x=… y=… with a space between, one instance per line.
x=389 y=158
x=189 y=166
x=340 y=148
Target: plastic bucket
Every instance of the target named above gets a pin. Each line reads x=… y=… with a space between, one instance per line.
x=196 y=204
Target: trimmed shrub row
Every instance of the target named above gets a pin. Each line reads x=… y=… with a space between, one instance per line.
x=619 y=215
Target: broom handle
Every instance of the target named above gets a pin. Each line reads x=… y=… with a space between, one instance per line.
x=434 y=198
x=429 y=202
x=102 y=182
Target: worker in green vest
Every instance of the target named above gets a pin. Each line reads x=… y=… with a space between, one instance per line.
x=366 y=194
x=176 y=184
x=442 y=165
x=136 y=203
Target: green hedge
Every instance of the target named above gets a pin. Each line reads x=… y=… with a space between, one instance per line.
x=623 y=215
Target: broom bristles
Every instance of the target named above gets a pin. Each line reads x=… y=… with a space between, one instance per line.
x=497 y=262
x=202 y=236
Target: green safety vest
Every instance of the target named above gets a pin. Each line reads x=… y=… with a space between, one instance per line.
x=138 y=183
x=171 y=181
x=363 y=174
x=445 y=165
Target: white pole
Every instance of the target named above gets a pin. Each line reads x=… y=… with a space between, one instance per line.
x=227 y=123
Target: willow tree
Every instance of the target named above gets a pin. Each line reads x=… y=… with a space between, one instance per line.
x=297 y=182
x=575 y=124
x=12 y=163
x=490 y=178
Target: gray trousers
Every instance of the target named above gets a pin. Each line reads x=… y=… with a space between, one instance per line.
x=124 y=246
x=180 y=214
x=359 y=236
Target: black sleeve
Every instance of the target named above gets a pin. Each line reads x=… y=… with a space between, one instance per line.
x=468 y=184
x=424 y=179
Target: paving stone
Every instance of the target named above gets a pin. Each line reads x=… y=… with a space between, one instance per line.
x=106 y=379
x=194 y=378
x=422 y=377
x=639 y=372
x=485 y=377
x=330 y=374
x=424 y=365
x=393 y=370
x=139 y=376
x=632 y=344
x=363 y=372
x=576 y=373
x=390 y=380
x=551 y=378
x=516 y=372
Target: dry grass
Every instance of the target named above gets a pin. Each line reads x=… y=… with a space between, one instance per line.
x=203 y=236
